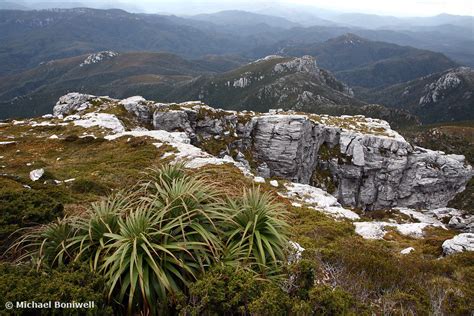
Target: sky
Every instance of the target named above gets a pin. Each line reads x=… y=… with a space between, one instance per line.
x=384 y=7
x=387 y=7
x=396 y=7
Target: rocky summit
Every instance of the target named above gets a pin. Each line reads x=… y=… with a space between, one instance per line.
x=362 y=208
x=361 y=161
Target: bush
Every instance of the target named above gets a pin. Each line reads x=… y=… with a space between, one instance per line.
x=256 y=231
x=272 y=301
x=223 y=291
x=67 y=284
x=25 y=208
x=84 y=186
x=325 y=300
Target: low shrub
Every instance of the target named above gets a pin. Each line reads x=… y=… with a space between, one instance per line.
x=25 y=208
x=224 y=290
x=84 y=186
x=325 y=300
x=67 y=284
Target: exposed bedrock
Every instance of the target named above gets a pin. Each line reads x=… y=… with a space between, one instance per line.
x=361 y=161
x=370 y=170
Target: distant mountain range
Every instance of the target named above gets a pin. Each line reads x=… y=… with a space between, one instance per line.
x=44 y=54
x=360 y=62
x=273 y=82
x=31 y=37
x=107 y=73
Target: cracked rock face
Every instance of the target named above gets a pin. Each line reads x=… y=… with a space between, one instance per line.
x=366 y=164
x=371 y=172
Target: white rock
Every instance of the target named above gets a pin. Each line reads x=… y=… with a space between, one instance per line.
x=370 y=230
x=132 y=101
x=297 y=254
x=98 y=57
x=459 y=243
x=259 y=180
x=53 y=137
x=377 y=230
x=160 y=135
x=317 y=199
x=7 y=143
x=406 y=251
x=274 y=183
x=104 y=120
x=36 y=174
x=72 y=117
x=35 y=124
x=193 y=156
x=421 y=217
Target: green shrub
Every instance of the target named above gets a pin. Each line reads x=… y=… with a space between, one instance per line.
x=223 y=290
x=25 y=208
x=272 y=301
x=83 y=186
x=152 y=242
x=256 y=231
x=301 y=278
x=67 y=284
x=46 y=245
x=325 y=300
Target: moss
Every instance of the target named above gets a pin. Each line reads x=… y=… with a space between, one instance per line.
x=244 y=119
x=217 y=146
x=87 y=186
x=204 y=113
x=351 y=123
x=98 y=102
x=328 y=153
x=323 y=179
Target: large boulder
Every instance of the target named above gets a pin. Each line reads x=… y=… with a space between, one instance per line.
x=139 y=107
x=71 y=103
x=459 y=243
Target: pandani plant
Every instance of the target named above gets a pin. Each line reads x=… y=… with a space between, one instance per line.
x=153 y=241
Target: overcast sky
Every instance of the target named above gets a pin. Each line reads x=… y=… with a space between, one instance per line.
x=397 y=7
x=389 y=7
x=386 y=7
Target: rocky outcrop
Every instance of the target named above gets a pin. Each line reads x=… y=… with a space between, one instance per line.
x=361 y=161
x=371 y=166
x=450 y=81
x=72 y=103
